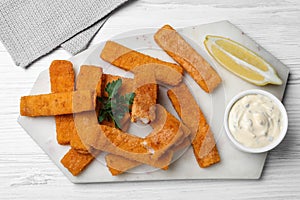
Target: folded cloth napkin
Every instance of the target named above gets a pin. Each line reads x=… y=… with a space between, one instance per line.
x=81 y=40
x=30 y=29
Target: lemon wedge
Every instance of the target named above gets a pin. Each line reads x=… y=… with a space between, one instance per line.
x=241 y=61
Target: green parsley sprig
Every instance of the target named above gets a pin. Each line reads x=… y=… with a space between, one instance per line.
x=115 y=106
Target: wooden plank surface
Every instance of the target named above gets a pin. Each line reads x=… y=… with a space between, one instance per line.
x=27 y=173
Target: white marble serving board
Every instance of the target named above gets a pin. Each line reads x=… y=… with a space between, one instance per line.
x=234 y=163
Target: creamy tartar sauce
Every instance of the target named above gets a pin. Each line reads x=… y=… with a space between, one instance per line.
x=255 y=121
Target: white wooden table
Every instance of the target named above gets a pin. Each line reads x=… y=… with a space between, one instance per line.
x=26 y=172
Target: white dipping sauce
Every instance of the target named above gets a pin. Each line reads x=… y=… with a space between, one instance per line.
x=255 y=121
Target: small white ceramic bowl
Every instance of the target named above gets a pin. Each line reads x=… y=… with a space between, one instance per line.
x=271 y=145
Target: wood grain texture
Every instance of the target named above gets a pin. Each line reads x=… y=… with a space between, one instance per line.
x=27 y=173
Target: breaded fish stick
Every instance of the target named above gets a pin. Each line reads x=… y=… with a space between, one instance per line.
x=89 y=78
x=62 y=80
x=118 y=164
x=112 y=140
x=57 y=103
x=128 y=59
x=65 y=128
x=184 y=54
x=62 y=76
x=203 y=142
x=76 y=144
x=76 y=162
x=146 y=91
x=167 y=131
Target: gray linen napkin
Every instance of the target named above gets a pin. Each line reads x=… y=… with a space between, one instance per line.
x=81 y=40
x=30 y=29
